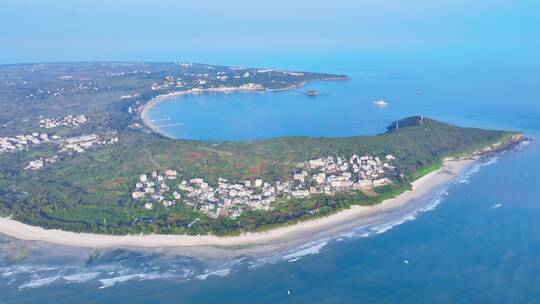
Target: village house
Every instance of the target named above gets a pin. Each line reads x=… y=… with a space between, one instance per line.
x=322 y=176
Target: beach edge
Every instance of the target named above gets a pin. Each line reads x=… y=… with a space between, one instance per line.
x=451 y=169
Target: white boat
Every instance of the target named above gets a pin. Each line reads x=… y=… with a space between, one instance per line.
x=380 y=103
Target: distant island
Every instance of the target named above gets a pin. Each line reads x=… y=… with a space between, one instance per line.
x=77 y=154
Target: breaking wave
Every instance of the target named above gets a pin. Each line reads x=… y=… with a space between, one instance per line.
x=81 y=277
x=387 y=226
x=307 y=249
x=219 y=273
x=39 y=282
x=523 y=144
x=465 y=178
x=122 y=279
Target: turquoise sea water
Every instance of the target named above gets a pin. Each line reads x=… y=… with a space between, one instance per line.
x=477 y=241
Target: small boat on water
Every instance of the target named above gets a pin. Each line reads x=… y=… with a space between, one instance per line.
x=312 y=93
x=380 y=103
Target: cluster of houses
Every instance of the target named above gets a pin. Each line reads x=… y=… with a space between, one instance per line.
x=24 y=142
x=321 y=176
x=169 y=82
x=41 y=162
x=128 y=96
x=68 y=121
x=41 y=93
x=80 y=143
x=70 y=145
x=212 y=80
x=336 y=174
x=223 y=199
x=125 y=69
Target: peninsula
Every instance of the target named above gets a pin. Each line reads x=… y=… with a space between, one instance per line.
x=77 y=153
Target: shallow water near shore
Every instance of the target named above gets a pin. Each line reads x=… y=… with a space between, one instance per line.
x=478 y=233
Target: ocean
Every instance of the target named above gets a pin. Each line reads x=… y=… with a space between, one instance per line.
x=475 y=240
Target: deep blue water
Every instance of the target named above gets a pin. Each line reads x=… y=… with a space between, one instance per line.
x=481 y=244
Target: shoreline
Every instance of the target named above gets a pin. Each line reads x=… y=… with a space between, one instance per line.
x=147 y=107
x=282 y=235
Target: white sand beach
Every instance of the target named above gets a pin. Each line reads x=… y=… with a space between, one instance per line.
x=450 y=170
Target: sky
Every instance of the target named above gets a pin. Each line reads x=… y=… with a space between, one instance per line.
x=213 y=31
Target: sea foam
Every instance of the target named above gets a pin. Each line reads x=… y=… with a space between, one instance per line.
x=219 y=273
x=121 y=279
x=39 y=282
x=81 y=277
x=307 y=249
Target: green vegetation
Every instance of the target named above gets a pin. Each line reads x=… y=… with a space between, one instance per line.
x=91 y=191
